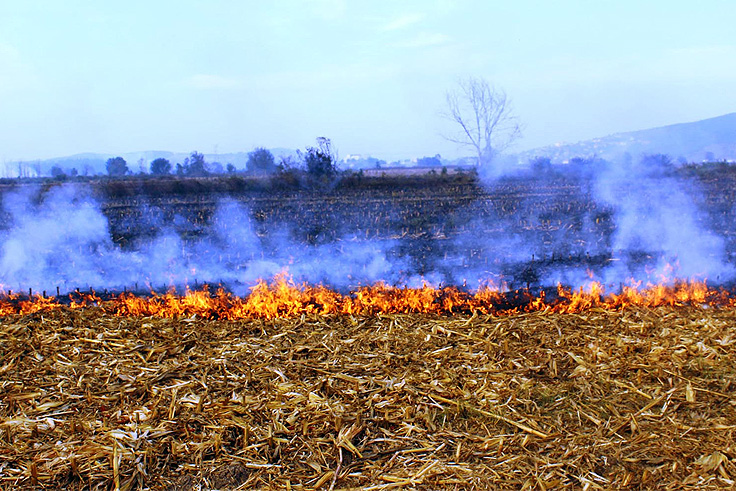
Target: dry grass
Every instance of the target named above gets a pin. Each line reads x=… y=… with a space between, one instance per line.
x=638 y=399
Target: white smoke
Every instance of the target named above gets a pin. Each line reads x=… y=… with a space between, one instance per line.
x=659 y=232
x=657 y=215
x=62 y=239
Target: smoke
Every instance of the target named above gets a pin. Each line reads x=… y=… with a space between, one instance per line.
x=62 y=239
x=57 y=239
x=623 y=223
x=657 y=219
x=612 y=223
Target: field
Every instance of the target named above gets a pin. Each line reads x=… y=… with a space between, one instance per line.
x=532 y=231
x=519 y=229
x=382 y=387
x=633 y=399
x=433 y=217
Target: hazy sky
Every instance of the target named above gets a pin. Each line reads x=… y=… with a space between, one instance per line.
x=113 y=77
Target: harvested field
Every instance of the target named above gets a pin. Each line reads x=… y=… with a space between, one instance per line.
x=631 y=399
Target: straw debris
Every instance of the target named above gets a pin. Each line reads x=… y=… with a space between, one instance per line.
x=634 y=399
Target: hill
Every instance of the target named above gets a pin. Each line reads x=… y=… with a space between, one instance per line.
x=708 y=139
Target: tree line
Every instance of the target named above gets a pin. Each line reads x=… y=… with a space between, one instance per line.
x=319 y=162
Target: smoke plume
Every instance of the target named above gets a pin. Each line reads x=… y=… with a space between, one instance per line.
x=619 y=224
x=62 y=239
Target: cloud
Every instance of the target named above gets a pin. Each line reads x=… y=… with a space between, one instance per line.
x=425 y=40
x=403 y=22
x=209 y=82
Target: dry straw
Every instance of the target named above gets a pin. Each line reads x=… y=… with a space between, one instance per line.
x=636 y=399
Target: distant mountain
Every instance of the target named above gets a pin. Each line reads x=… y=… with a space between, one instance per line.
x=709 y=139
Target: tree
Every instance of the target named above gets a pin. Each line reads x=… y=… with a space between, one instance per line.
x=231 y=168
x=540 y=164
x=116 y=166
x=214 y=168
x=484 y=116
x=58 y=173
x=195 y=165
x=588 y=167
x=655 y=164
x=160 y=167
x=435 y=161
x=321 y=161
x=261 y=161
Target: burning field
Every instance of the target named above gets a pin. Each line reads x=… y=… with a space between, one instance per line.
x=428 y=334
x=285 y=389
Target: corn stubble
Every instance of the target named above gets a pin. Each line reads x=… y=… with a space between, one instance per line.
x=632 y=398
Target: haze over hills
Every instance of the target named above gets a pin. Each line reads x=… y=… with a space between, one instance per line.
x=708 y=139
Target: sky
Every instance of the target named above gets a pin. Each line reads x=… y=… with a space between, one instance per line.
x=227 y=76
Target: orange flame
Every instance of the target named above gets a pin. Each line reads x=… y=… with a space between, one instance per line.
x=283 y=298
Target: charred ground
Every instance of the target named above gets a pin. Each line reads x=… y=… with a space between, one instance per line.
x=530 y=230
x=518 y=228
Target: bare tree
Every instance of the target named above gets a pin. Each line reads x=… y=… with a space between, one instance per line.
x=484 y=116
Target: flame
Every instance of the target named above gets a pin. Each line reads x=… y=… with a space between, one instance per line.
x=282 y=298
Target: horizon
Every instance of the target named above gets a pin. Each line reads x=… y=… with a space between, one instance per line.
x=226 y=78
x=343 y=157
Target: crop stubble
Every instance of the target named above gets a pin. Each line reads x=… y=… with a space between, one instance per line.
x=638 y=398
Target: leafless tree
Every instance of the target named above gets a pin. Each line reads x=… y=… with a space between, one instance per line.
x=485 y=117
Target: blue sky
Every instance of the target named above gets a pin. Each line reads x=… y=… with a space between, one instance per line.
x=114 y=77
